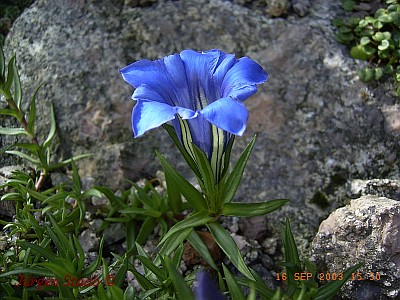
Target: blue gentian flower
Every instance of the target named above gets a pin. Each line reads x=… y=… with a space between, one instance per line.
x=202 y=93
x=206 y=289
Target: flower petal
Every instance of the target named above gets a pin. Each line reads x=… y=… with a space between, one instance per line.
x=240 y=81
x=165 y=76
x=227 y=114
x=199 y=68
x=148 y=115
x=206 y=289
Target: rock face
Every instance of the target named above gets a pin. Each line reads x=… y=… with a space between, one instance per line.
x=365 y=231
x=318 y=126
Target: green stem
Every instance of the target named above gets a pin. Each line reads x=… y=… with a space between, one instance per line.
x=24 y=124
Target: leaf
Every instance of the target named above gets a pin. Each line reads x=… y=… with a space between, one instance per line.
x=291 y=257
x=207 y=175
x=198 y=244
x=12 y=131
x=147 y=263
x=95 y=264
x=17 y=84
x=252 y=209
x=32 y=112
x=194 y=220
x=357 y=52
x=384 y=45
x=141 y=211
x=234 y=289
x=173 y=242
x=188 y=158
x=264 y=291
x=2 y=66
x=228 y=245
x=182 y=289
x=10 y=75
x=9 y=112
x=53 y=128
x=330 y=289
x=24 y=156
x=145 y=230
x=192 y=195
x=366 y=74
x=232 y=182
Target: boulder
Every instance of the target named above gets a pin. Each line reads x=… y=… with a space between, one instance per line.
x=366 y=231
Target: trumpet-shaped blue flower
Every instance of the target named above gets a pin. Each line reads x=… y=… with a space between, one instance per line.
x=205 y=89
x=206 y=289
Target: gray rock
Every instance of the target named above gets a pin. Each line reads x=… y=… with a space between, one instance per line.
x=318 y=126
x=88 y=240
x=277 y=8
x=377 y=187
x=301 y=7
x=365 y=231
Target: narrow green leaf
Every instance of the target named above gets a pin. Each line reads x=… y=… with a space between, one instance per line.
x=173 y=242
x=182 y=289
x=68 y=161
x=32 y=270
x=147 y=263
x=177 y=257
x=233 y=180
x=24 y=156
x=9 y=112
x=330 y=289
x=32 y=113
x=234 y=289
x=194 y=220
x=227 y=156
x=198 y=244
x=188 y=158
x=44 y=252
x=17 y=85
x=81 y=255
x=2 y=66
x=252 y=209
x=61 y=267
x=260 y=286
x=12 y=131
x=289 y=244
x=141 y=211
x=192 y=195
x=10 y=75
x=207 y=175
x=53 y=128
x=129 y=293
x=94 y=265
x=144 y=283
x=145 y=230
x=228 y=245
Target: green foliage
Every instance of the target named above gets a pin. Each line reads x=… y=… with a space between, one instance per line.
x=374 y=38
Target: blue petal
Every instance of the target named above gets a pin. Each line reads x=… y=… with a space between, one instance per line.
x=206 y=289
x=227 y=114
x=199 y=68
x=226 y=61
x=148 y=115
x=165 y=76
x=240 y=81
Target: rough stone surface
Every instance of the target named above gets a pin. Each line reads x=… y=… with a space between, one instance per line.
x=365 y=231
x=318 y=126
